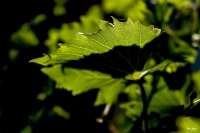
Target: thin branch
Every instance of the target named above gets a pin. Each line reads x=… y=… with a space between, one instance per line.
x=144 y=100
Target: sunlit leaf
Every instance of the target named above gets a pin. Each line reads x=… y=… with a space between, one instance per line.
x=79 y=81
x=119 y=34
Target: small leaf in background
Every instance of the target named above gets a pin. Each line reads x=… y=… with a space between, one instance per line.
x=134 y=9
x=182 y=48
x=165 y=98
x=42 y=96
x=119 y=34
x=35 y=117
x=196 y=78
x=27 y=129
x=134 y=105
x=60 y=112
x=139 y=74
x=121 y=123
x=52 y=41
x=88 y=24
x=173 y=66
x=59 y=8
x=133 y=92
x=38 y=19
x=188 y=125
x=24 y=36
x=179 y=4
x=13 y=53
x=133 y=109
x=109 y=93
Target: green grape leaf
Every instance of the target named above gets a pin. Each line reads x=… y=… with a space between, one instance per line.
x=165 y=98
x=109 y=93
x=120 y=34
x=79 y=81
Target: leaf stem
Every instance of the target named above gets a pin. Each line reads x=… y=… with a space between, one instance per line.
x=144 y=100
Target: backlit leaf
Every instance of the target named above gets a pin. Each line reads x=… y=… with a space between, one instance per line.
x=109 y=36
x=79 y=81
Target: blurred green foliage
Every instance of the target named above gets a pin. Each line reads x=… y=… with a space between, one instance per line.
x=24 y=36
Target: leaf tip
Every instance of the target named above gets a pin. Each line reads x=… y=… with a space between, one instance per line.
x=41 y=60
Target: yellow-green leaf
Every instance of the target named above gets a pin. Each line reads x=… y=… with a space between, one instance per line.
x=79 y=81
x=120 y=34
